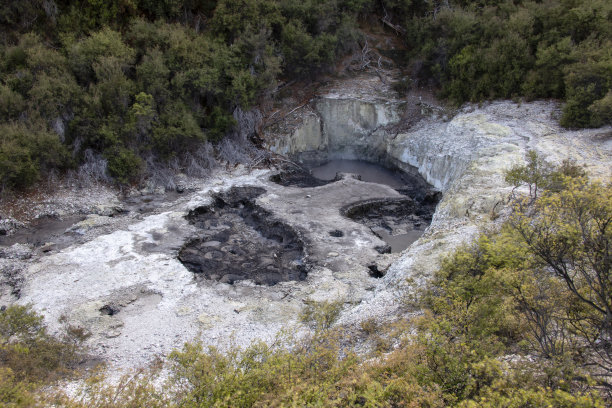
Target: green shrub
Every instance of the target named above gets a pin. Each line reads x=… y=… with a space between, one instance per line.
x=124 y=165
x=11 y=104
x=586 y=83
x=26 y=154
x=14 y=393
x=28 y=353
x=104 y=44
x=321 y=315
x=601 y=109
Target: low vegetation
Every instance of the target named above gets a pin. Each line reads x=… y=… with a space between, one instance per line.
x=31 y=358
x=519 y=318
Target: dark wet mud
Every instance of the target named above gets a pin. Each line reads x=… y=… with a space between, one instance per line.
x=397 y=221
x=239 y=240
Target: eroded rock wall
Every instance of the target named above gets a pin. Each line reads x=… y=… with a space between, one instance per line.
x=304 y=138
x=355 y=129
x=350 y=119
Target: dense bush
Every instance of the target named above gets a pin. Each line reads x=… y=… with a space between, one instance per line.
x=478 y=50
x=77 y=68
x=25 y=152
x=30 y=357
x=144 y=82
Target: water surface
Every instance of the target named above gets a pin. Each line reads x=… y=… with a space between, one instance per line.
x=370 y=172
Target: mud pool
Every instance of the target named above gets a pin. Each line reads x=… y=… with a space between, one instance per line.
x=44 y=230
x=240 y=241
x=59 y=232
x=370 y=172
x=397 y=222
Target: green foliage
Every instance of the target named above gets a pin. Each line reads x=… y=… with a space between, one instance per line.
x=30 y=357
x=263 y=375
x=601 y=109
x=28 y=353
x=14 y=393
x=305 y=53
x=123 y=164
x=321 y=315
x=546 y=79
x=18 y=16
x=569 y=233
x=11 y=103
x=176 y=130
x=102 y=48
x=169 y=9
x=500 y=396
x=133 y=390
x=538 y=286
x=89 y=15
x=231 y=18
x=53 y=96
x=478 y=50
x=26 y=153
x=587 y=83
x=537 y=174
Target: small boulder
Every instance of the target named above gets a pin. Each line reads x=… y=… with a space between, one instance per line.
x=9 y=225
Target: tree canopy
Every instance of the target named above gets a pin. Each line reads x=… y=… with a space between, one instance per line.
x=142 y=83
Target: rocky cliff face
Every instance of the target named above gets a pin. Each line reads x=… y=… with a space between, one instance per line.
x=347 y=122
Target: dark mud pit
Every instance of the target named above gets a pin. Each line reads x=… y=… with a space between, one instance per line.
x=43 y=231
x=397 y=221
x=239 y=240
x=295 y=176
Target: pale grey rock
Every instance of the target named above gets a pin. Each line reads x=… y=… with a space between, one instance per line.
x=306 y=137
x=92 y=221
x=59 y=127
x=17 y=251
x=108 y=209
x=127 y=287
x=11 y=279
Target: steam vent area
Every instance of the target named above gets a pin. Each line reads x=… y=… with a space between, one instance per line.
x=350 y=209
x=306 y=219
x=237 y=255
